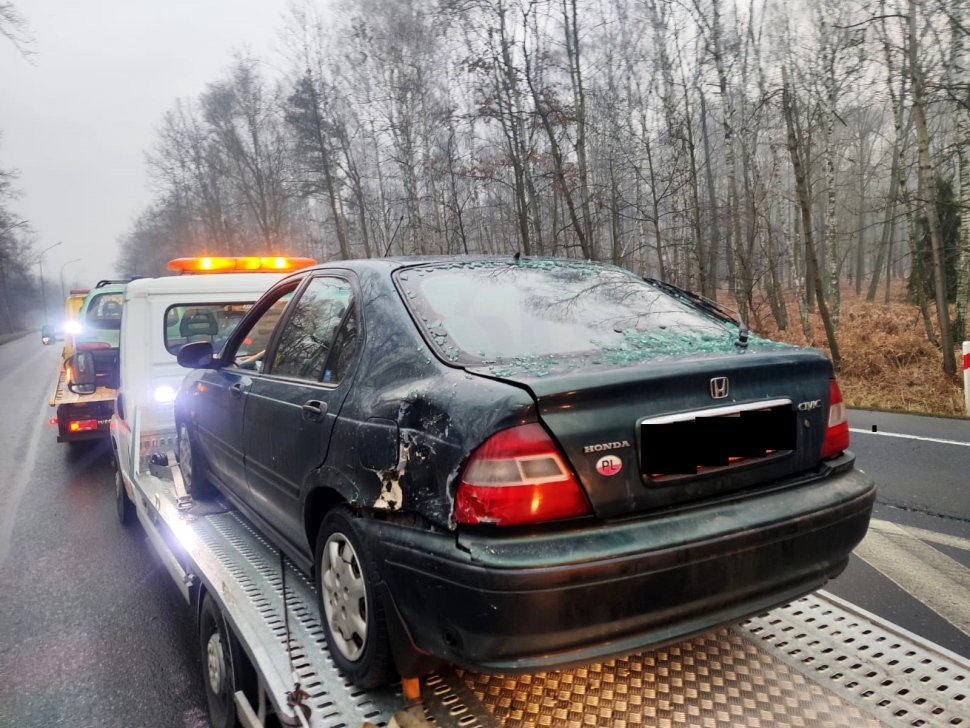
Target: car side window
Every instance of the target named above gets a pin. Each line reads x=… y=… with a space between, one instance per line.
x=309 y=334
x=252 y=350
x=342 y=351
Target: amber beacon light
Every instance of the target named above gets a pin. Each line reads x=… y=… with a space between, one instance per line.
x=239 y=264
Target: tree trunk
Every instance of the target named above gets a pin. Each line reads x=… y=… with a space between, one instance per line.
x=713 y=250
x=888 y=226
x=571 y=23
x=655 y=216
x=801 y=186
x=962 y=52
x=928 y=179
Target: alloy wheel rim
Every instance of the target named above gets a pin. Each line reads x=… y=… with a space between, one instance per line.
x=344 y=596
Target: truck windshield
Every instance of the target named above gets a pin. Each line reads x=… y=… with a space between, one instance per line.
x=212 y=322
x=104 y=311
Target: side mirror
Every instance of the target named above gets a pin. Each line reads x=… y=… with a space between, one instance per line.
x=197 y=355
x=82 y=378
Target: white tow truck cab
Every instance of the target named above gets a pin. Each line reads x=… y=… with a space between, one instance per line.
x=160 y=315
x=816 y=662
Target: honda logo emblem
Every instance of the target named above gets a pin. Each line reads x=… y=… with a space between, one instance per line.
x=719 y=387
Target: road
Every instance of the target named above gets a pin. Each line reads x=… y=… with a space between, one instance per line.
x=92 y=629
x=94 y=633
x=913 y=567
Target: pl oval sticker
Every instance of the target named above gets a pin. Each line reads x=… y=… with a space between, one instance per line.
x=609 y=465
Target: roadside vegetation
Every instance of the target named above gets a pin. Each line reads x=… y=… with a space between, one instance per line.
x=887 y=360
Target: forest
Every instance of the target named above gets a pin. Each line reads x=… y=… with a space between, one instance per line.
x=776 y=157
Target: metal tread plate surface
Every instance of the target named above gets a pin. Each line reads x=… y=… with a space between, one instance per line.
x=815 y=662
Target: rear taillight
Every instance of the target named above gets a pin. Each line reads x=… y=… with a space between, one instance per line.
x=518 y=476
x=837 y=431
x=82 y=425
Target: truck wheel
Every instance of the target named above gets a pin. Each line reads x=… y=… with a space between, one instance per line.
x=191 y=464
x=126 y=509
x=217 y=665
x=351 y=604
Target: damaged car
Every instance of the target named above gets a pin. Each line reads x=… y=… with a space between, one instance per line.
x=515 y=464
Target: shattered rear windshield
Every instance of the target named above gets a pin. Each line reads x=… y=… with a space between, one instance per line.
x=485 y=312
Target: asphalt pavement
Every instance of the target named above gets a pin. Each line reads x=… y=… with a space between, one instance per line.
x=913 y=568
x=93 y=632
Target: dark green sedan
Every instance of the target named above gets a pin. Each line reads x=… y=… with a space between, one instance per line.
x=519 y=464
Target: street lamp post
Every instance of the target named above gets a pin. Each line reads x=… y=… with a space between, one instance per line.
x=43 y=291
x=64 y=290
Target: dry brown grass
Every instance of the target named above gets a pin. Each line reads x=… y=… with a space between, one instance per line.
x=887 y=362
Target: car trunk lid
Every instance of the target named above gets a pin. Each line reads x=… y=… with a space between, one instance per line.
x=608 y=420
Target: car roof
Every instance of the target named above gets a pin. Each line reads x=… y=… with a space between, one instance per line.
x=398 y=262
x=95 y=292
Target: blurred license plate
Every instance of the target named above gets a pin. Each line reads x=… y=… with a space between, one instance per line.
x=682 y=447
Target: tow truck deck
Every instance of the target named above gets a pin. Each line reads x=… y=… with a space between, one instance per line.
x=818 y=661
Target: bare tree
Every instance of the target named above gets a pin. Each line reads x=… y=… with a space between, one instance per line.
x=13 y=27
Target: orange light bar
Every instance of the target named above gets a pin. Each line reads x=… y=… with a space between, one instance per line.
x=239 y=264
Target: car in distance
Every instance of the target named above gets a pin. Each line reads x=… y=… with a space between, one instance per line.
x=518 y=464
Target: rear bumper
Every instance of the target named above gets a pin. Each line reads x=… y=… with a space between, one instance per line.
x=100 y=411
x=536 y=601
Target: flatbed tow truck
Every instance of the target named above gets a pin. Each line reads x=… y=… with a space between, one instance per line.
x=85 y=415
x=818 y=661
x=80 y=416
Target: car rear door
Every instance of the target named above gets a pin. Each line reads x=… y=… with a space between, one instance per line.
x=292 y=407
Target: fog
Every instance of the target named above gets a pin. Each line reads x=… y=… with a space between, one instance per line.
x=77 y=116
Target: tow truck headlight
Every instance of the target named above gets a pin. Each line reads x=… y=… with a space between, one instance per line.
x=164 y=394
x=73 y=327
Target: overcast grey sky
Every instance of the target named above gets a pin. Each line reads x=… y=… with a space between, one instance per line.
x=78 y=117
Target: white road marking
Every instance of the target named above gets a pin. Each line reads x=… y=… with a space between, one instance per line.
x=939 y=582
x=941 y=539
x=861 y=431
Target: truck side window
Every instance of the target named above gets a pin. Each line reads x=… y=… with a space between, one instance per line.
x=308 y=336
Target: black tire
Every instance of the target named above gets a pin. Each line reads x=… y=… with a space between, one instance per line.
x=351 y=605
x=219 y=677
x=192 y=464
x=126 y=509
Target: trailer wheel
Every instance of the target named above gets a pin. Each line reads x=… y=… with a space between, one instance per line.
x=217 y=665
x=191 y=463
x=126 y=509
x=351 y=604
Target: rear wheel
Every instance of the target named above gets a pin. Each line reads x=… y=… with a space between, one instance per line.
x=351 y=604
x=217 y=665
x=126 y=509
x=191 y=464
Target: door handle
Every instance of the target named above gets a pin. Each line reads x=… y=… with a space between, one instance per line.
x=236 y=390
x=314 y=410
